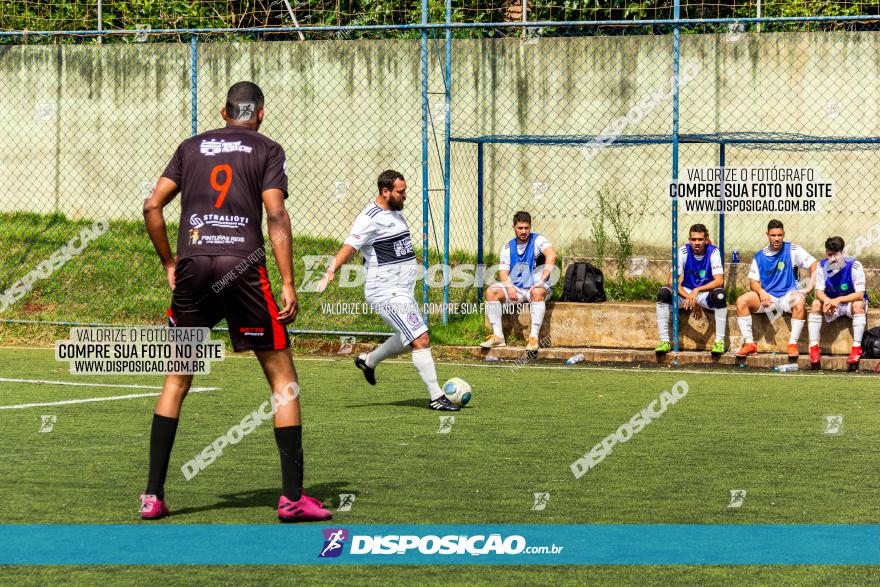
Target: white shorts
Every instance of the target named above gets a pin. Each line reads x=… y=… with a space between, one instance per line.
x=702 y=299
x=783 y=304
x=401 y=312
x=842 y=310
x=524 y=295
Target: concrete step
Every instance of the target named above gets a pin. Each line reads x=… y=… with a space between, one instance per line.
x=519 y=354
x=633 y=325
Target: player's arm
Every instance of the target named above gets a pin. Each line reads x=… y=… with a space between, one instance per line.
x=801 y=259
x=812 y=281
x=549 y=263
x=853 y=297
x=362 y=233
x=505 y=281
x=281 y=237
x=717 y=281
x=342 y=257
x=755 y=284
x=504 y=274
x=154 y=220
x=682 y=292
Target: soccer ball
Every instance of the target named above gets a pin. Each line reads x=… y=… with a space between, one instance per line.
x=458 y=391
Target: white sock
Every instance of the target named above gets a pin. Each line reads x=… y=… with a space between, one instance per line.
x=745 y=328
x=663 y=321
x=493 y=313
x=537 y=310
x=814 y=328
x=390 y=348
x=424 y=363
x=720 y=323
x=859 y=323
x=797 y=326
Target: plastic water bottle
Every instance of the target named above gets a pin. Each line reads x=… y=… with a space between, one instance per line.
x=735 y=257
x=786 y=368
x=575 y=359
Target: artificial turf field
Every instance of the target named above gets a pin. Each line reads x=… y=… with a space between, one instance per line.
x=748 y=430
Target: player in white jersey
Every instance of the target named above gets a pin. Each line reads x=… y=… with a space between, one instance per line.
x=840 y=291
x=775 y=288
x=524 y=268
x=382 y=236
x=700 y=286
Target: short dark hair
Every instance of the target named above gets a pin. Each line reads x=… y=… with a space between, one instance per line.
x=522 y=216
x=243 y=100
x=387 y=178
x=774 y=224
x=834 y=244
x=699 y=228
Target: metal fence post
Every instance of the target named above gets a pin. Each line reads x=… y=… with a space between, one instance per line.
x=194 y=83
x=425 y=209
x=481 y=269
x=722 y=157
x=676 y=59
x=447 y=126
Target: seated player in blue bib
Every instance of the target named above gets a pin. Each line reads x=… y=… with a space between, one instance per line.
x=525 y=266
x=774 y=288
x=840 y=291
x=700 y=286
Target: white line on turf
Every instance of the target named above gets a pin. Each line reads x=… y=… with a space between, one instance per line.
x=95 y=399
x=84 y=384
x=642 y=370
x=654 y=371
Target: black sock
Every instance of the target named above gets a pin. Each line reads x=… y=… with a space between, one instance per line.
x=289 y=440
x=161 y=442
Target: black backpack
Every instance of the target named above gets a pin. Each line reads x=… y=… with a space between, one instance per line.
x=584 y=282
x=871 y=344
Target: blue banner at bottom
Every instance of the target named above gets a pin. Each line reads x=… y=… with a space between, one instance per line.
x=174 y=544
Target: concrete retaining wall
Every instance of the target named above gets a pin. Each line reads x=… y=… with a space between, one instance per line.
x=86 y=128
x=622 y=325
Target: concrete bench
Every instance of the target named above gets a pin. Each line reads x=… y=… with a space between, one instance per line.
x=633 y=325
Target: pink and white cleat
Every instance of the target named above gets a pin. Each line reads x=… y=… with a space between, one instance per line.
x=153 y=508
x=317 y=502
x=307 y=509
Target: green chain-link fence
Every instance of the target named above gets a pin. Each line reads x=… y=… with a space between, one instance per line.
x=89 y=127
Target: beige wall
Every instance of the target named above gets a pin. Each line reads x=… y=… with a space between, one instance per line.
x=86 y=126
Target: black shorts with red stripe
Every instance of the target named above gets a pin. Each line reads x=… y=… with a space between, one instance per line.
x=208 y=289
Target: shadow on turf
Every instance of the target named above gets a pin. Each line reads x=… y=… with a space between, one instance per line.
x=406 y=403
x=268 y=498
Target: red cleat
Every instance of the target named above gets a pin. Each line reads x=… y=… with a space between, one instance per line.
x=854 y=355
x=793 y=351
x=747 y=349
x=815 y=354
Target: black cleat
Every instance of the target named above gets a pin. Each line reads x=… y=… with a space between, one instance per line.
x=443 y=404
x=369 y=373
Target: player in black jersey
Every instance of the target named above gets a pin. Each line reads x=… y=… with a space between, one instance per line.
x=226 y=177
